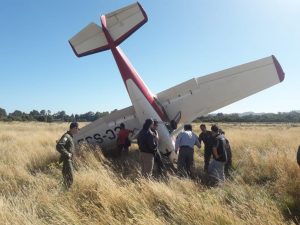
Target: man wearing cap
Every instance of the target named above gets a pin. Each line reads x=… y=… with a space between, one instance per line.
x=185 y=142
x=65 y=146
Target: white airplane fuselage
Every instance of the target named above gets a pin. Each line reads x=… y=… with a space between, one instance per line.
x=141 y=97
x=144 y=110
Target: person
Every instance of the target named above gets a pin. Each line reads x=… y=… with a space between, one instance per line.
x=157 y=157
x=228 y=164
x=185 y=142
x=216 y=167
x=206 y=137
x=147 y=142
x=65 y=146
x=298 y=155
x=154 y=129
x=123 y=141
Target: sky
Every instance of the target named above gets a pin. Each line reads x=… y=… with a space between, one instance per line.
x=181 y=40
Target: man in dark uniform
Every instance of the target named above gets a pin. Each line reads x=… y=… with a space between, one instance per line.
x=65 y=146
x=207 y=138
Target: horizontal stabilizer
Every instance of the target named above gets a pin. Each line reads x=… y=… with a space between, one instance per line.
x=123 y=22
x=88 y=41
x=117 y=25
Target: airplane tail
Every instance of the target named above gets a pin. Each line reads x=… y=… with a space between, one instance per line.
x=116 y=27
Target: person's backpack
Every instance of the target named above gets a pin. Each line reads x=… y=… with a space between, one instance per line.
x=221 y=148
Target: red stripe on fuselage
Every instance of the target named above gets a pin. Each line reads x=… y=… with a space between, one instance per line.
x=128 y=72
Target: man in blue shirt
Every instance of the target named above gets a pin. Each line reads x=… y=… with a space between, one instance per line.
x=185 y=142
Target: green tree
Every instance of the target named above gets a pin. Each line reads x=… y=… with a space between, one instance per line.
x=16 y=115
x=3 y=113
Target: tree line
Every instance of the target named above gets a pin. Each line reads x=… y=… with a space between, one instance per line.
x=47 y=116
x=281 y=117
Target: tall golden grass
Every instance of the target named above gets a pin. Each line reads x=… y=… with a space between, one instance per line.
x=264 y=188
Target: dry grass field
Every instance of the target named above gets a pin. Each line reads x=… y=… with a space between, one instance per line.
x=264 y=188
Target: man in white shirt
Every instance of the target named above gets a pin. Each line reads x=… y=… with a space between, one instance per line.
x=185 y=142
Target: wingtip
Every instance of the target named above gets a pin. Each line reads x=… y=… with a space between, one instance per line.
x=143 y=12
x=280 y=72
x=73 y=49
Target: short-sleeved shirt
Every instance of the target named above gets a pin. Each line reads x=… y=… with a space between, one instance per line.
x=187 y=139
x=207 y=139
x=122 y=136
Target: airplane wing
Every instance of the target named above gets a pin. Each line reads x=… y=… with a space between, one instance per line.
x=104 y=130
x=202 y=95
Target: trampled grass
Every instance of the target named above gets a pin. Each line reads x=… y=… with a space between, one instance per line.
x=264 y=188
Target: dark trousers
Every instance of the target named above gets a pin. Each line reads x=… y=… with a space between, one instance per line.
x=216 y=172
x=185 y=161
x=207 y=156
x=159 y=163
x=68 y=172
x=122 y=149
x=228 y=164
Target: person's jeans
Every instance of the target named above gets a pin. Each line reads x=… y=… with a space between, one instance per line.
x=216 y=170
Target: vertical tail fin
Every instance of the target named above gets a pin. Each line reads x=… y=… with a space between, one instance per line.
x=120 y=25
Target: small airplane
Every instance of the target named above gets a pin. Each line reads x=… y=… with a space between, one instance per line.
x=177 y=105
